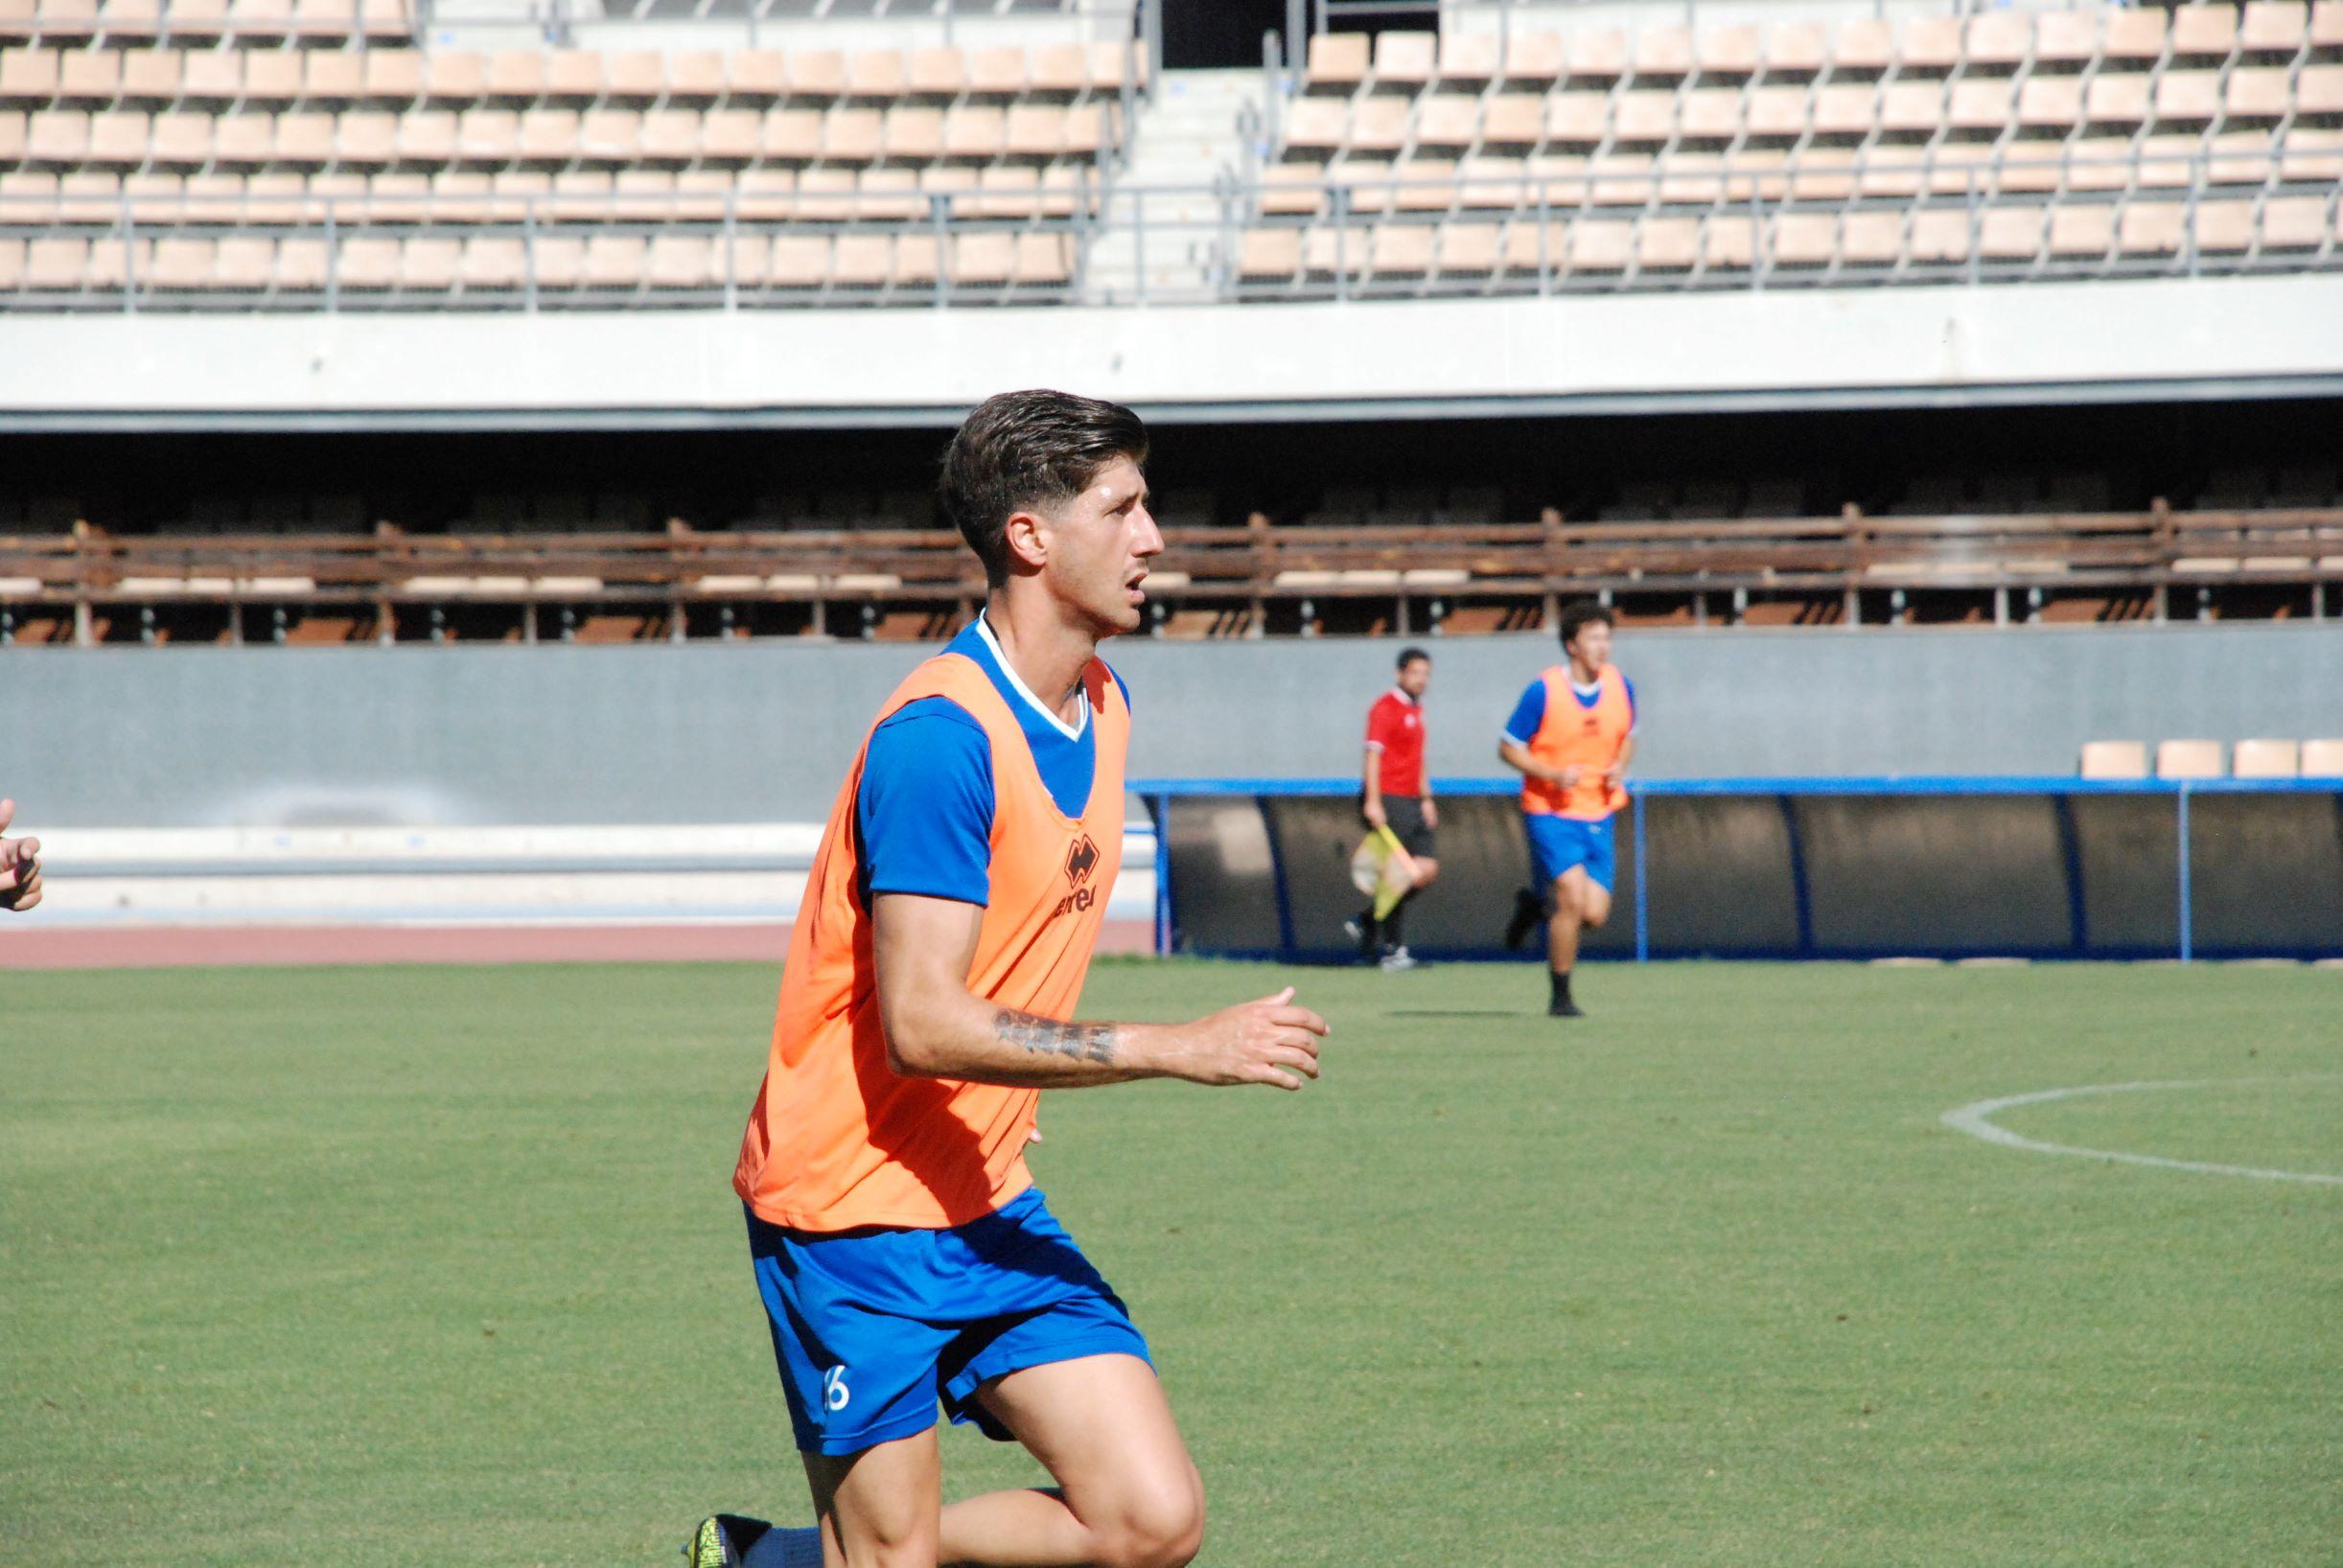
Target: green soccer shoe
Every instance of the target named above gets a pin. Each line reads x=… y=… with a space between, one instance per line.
x=722 y=1540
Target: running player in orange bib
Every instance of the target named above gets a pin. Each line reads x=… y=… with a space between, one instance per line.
x=1570 y=737
x=903 y=1254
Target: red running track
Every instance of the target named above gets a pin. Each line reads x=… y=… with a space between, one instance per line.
x=162 y=947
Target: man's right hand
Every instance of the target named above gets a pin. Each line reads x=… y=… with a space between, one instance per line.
x=1272 y=1041
x=19 y=866
x=1372 y=811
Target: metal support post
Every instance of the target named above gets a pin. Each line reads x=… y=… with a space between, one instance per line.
x=1163 y=875
x=1643 y=881
x=1152 y=28
x=2188 y=934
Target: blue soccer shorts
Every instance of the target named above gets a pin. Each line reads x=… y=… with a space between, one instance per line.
x=871 y=1327
x=1557 y=843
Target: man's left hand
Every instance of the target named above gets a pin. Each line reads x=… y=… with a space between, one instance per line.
x=1431 y=812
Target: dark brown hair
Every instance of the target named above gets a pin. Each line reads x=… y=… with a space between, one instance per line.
x=1020 y=450
x=1577 y=617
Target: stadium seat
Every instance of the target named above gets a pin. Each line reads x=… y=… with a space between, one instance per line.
x=2189 y=759
x=1269 y=255
x=1662 y=53
x=1337 y=63
x=2223 y=227
x=2267 y=760
x=2152 y=228
x=2132 y=39
x=1404 y=61
x=1595 y=57
x=1803 y=240
x=2011 y=234
x=2114 y=759
x=1466 y=250
x=2081 y=232
x=1469 y=62
x=1995 y=43
x=2203 y=34
x=2322 y=759
x=1795 y=51
x=1871 y=238
x=1534 y=60
x=1862 y=50
x=1729 y=54
x=1597 y=247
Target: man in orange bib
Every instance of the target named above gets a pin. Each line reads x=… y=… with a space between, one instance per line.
x=903 y=1254
x=1570 y=737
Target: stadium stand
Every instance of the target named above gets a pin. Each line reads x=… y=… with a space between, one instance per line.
x=553 y=568
x=296 y=153
x=245 y=155
x=2091 y=141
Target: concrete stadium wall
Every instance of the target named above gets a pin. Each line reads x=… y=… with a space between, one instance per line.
x=1780 y=348
x=461 y=736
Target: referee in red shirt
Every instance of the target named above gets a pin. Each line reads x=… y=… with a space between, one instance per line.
x=1398 y=794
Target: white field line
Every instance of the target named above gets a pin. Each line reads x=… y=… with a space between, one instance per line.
x=1974 y=1121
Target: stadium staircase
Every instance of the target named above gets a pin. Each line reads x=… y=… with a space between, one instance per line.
x=1186 y=147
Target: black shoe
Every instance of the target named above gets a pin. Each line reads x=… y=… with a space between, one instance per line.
x=1528 y=912
x=722 y=1540
x=1564 y=1007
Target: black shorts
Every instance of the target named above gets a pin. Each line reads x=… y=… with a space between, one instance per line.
x=1405 y=814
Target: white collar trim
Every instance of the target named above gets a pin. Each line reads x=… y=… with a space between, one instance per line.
x=1081 y=719
x=1402 y=694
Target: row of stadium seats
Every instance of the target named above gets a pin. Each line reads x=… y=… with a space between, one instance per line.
x=1392 y=256
x=402 y=79
x=1832 y=143
x=436 y=268
x=249 y=21
x=2009 y=143
x=1990 y=43
x=1404 y=255
x=30 y=198
x=2191 y=759
x=66 y=140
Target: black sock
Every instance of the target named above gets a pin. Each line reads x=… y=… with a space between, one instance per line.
x=1393 y=921
x=1559 y=980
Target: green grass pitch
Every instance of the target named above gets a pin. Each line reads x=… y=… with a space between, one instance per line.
x=409 y=1266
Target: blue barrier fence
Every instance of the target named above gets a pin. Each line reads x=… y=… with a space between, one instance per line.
x=1797 y=868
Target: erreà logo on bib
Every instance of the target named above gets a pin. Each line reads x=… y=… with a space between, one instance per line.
x=1081 y=859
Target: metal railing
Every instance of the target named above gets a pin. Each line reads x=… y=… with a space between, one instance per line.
x=1235 y=573
x=1731 y=224
x=1324 y=14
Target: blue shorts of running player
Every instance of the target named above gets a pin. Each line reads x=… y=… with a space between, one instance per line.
x=1557 y=843
x=871 y=1327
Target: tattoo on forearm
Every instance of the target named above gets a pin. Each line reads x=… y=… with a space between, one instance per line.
x=1047 y=1037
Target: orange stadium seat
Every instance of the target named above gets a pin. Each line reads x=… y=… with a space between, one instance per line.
x=2114 y=760
x=2267 y=760
x=2189 y=759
